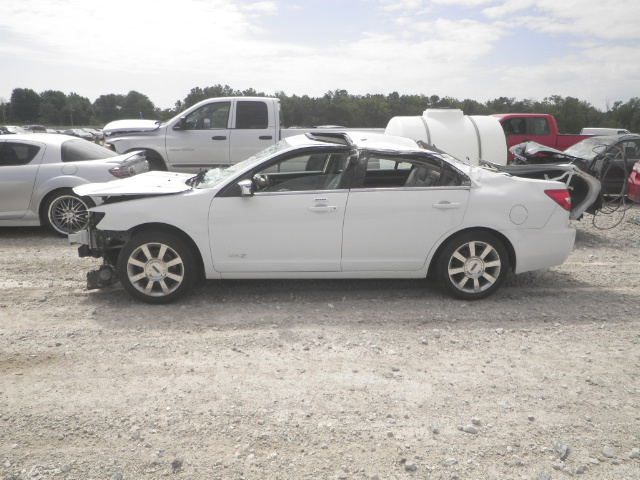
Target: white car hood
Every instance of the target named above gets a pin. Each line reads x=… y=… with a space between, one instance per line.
x=150 y=183
x=130 y=126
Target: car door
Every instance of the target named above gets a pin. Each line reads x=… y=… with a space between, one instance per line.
x=202 y=139
x=253 y=128
x=399 y=210
x=292 y=222
x=19 y=164
x=625 y=154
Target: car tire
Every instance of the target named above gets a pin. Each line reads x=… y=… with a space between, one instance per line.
x=472 y=265
x=157 y=267
x=64 y=212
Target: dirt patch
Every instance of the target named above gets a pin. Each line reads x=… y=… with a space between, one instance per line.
x=384 y=379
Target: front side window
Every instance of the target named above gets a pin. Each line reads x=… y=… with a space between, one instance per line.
x=514 y=126
x=12 y=154
x=318 y=171
x=209 y=117
x=80 y=150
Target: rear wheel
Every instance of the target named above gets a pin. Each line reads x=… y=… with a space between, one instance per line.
x=473 y=265
x=157 y=267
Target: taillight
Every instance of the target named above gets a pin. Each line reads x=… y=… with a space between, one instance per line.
x=561 y=197
x=122 y=171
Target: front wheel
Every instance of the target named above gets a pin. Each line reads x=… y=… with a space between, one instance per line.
x=65 y=212
x=473 y=265
x=157 y=267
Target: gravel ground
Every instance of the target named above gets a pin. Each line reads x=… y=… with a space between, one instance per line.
x=322 y=379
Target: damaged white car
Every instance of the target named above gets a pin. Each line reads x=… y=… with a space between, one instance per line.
x=357 y=205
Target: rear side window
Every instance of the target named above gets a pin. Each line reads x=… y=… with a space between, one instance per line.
x=17 y=153
x=538 y=126
x=80 y=150
x=252 y=115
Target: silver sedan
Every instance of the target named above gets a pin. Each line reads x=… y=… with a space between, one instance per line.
x=39 y=171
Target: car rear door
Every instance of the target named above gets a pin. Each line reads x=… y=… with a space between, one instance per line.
x=19 y=164
x=254 y=128
x=398 y=211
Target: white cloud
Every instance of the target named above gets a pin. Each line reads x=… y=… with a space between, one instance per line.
x=163 y=48
x=594 y=18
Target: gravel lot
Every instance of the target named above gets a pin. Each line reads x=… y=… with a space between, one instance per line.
x=322 y=379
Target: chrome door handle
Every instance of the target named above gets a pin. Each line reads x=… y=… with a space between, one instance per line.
x=323 y=209
x=446 y=205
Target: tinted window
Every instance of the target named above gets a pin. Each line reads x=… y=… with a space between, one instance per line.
x=17 y=153
x=252 y=115
x=80 y=150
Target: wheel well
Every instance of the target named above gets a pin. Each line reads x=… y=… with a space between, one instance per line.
x=505 y=241
x=162 y=227
x=156 y=162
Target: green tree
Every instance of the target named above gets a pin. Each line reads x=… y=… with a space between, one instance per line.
x=52 y=106
x=626 y=115
x=108 y=108
x=79 y=111
x=25 y=106
x=137 y=105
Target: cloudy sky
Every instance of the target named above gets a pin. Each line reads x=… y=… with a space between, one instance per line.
x=475 y=49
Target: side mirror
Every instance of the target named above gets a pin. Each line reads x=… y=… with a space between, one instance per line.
x=182 y=125
x=246 y=188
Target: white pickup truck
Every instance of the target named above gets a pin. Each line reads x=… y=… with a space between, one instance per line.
x=226 y=130
x=215 y=132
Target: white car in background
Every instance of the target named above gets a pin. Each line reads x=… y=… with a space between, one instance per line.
x=356 y=205
x=38 y=172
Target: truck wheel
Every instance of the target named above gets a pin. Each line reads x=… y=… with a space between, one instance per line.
x=64 y=212
x=155 y=161
x=473 y=265
x=157 y=267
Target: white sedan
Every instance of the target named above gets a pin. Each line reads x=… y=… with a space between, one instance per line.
x=360 y=205
x=38 y=172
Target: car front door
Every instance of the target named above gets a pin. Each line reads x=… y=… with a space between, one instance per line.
x=292 y=222
x=625 y=155
x=201 y=140
x=398 y=212
x=19 y=164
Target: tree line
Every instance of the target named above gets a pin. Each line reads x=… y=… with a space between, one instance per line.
x=56 y=109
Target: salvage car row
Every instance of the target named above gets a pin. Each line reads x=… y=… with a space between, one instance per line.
x=326 y=205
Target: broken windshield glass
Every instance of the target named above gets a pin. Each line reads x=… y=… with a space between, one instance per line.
x=214 y=177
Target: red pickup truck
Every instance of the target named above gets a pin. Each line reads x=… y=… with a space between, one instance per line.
x=538 y=127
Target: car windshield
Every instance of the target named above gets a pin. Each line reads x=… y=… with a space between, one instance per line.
x=216 y=176
x=590 y=147
x=79 y=150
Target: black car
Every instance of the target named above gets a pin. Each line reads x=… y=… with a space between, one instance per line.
x=608 y=158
